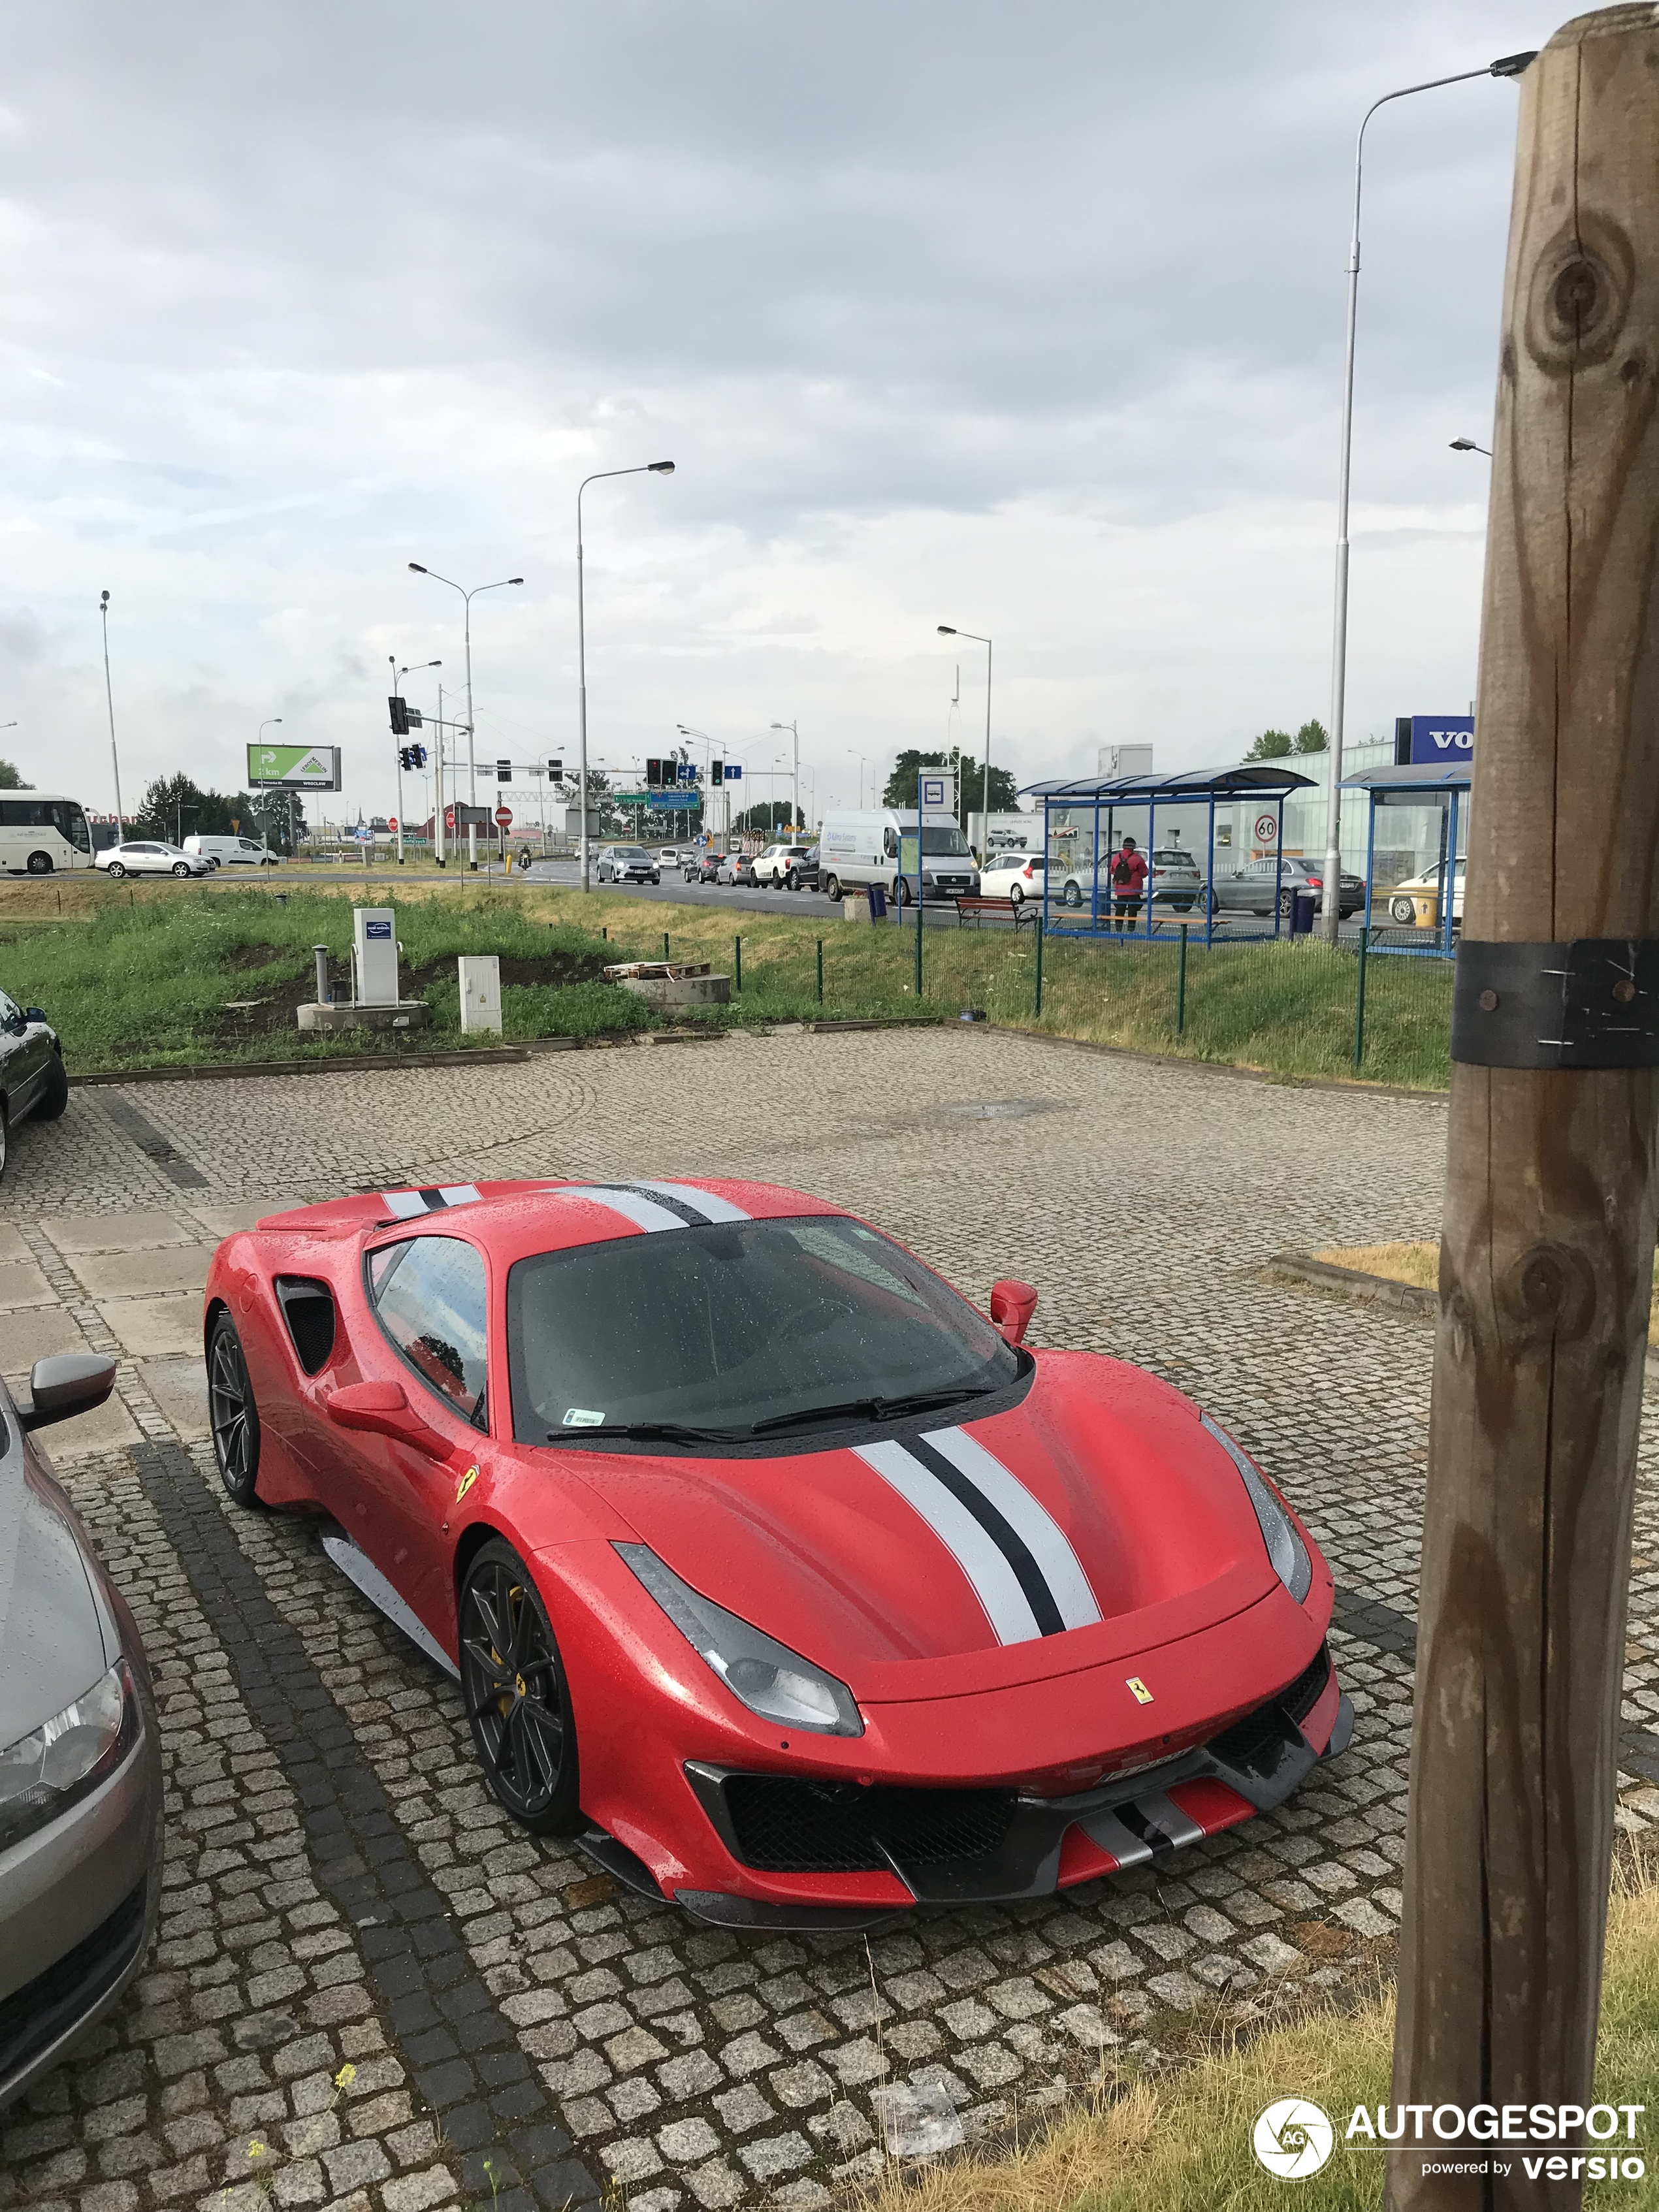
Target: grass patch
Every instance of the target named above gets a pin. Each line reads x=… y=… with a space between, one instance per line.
x=140 y=974
x=1180 y=2141
x=1419 y=1262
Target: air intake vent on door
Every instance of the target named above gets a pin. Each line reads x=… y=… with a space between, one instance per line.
x=309 y=1309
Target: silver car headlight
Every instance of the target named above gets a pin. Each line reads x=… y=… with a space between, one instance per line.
x=1285 y=1548
x=769 y=1678
x=43 y=1773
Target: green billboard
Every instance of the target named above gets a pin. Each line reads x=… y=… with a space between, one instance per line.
x=293 y=768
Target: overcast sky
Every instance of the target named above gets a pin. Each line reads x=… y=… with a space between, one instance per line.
x=1022 y=317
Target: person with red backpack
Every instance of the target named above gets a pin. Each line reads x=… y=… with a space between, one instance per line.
x=1128 y=881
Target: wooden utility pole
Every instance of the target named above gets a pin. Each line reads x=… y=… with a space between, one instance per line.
x=1547 y=1255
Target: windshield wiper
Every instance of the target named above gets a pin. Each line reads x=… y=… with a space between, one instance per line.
x=668 y=1431
x=877 y=1409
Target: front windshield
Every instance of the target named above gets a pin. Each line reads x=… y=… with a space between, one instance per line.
x=725 y=1327
x=950 y=840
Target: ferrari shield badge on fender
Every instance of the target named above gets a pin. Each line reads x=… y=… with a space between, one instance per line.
x=1137 y=1689
x=467 y=1481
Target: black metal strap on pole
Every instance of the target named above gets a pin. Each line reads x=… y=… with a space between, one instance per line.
x=1591 y=1002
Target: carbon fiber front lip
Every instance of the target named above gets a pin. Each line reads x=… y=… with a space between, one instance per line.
x=1135 y=1826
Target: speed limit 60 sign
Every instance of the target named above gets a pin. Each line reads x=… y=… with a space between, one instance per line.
x=1267 y=829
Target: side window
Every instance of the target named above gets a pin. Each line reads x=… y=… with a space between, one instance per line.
x=429 y=1297
x=889 y=843
x=11 y=1016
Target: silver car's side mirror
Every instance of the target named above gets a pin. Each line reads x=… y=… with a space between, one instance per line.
x=71 y=1382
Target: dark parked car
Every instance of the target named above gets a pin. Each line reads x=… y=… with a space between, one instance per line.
x=1254 y=888
x=32 y=1077
x=79 y=1752
x=702 y=867
x=803 y=873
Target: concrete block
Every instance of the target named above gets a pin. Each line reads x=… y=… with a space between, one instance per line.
x=666 y=989
x=410 y=1014
x=481 y=992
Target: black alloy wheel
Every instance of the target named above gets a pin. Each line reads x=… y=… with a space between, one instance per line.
x=791 y=881
x=55 y=1098
x=39 y=864
x=517 y=1698
x=232 y=1414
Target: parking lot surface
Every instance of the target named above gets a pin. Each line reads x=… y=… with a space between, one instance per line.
x=368 y=1982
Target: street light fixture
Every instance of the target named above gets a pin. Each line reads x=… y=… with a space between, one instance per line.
x=862 y=759
x=945 y=630
x=1507 y=66
x=109 y=696
x=794 y=733
x=270 y=722
x=1469 y=446
x=467 y=598
x=645 y=469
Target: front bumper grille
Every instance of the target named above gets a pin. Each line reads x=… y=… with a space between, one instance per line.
x=41 y=2013
x=805 y=1826
x=959 y=1846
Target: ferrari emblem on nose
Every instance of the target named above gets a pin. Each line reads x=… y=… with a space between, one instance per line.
x=1138 y=1690
x=467 y=1481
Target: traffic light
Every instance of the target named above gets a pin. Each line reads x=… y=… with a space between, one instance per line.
x=555 y=768
x=654 y=776
x=503 y=771
x=399 y=717
x=411 y=756
x=717 y=772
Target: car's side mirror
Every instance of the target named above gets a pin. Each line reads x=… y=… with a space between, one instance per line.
x=1012 y=1305
x=33 y=1014
x=384 y=1409
x=71 y=1382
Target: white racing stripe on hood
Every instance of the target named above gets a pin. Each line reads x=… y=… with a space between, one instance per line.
x=717 y=1209
x=643 y=1212
x=1029 y=1520
x=995 y=1581
x=403 y=1205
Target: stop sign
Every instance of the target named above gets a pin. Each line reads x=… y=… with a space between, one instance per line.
x=391 y=821
x=449 y=818
x=503 y=818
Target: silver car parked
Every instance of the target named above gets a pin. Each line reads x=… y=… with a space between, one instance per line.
x=150 y=856
x=79 y=1752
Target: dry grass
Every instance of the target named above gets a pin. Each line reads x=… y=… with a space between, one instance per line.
x=1181 y=2142
x=1415 y=1263
x=1419 y=1262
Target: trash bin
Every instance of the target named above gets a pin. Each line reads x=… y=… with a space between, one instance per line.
x=1302 y=914
x=878 y=902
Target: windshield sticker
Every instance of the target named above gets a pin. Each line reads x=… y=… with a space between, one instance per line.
x=581 y=1417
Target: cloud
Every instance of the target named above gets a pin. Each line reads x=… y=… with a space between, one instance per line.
x=1026 y=320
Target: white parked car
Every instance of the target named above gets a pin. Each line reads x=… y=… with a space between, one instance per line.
x=777 y=863
x=231 y=851
x=670 y=856
x=1016 y=876
x=1402 y=907
x=141 y=856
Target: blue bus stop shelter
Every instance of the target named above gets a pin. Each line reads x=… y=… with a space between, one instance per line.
x=1423 y=784
x=1266 y=783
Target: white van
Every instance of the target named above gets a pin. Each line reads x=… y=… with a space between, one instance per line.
x=39 y=833
x=856 y=849
x=231 y=851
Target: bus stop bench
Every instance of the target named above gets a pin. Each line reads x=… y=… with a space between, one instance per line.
x=1022 y=910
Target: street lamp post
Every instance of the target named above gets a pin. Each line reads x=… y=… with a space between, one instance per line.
x=945 y=630
x=467 y=598
x=270 y=722
x=862 y=759
x=644 y=469
x=1507 y=66
x=795 y=731
x=409 y=668
x=702 y=739
x=109 y=696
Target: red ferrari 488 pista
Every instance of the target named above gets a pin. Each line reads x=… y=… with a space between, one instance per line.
x=797 y=1589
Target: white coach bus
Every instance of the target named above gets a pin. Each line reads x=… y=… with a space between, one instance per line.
x=41 y=832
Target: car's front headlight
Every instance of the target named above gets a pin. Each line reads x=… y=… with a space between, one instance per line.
x=769 y=1678
x=43 y=1773
x=1285 y=1548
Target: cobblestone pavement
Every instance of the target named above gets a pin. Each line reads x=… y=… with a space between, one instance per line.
x=368 y=1982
